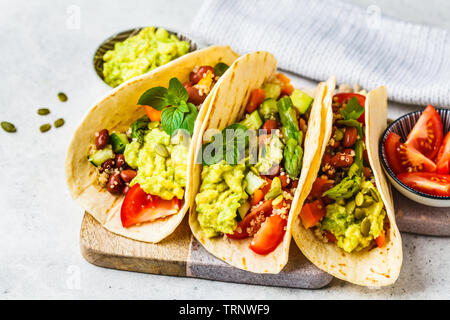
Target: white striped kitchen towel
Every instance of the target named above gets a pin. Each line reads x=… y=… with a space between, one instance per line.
x=316 y=39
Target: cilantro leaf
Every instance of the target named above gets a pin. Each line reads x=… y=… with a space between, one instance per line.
x=353 y=110
x=156 y=97
x=171 y=119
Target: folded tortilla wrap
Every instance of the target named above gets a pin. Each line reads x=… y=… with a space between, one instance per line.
x=247 y=73
x=116 y=112
x=374 y=267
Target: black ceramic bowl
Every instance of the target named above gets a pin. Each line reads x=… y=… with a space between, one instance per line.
x=108 y=44
x=402 y=126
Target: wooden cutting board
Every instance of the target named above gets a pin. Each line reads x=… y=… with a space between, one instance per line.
x=181 y=255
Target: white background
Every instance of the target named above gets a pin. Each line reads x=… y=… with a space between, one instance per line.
x=41 y=54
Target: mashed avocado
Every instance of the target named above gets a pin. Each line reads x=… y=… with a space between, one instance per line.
x=163 y=176
x=149 y=49
x=357 y=221
x=222 y=192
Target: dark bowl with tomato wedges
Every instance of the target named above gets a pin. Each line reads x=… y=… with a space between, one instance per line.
x=403 y=126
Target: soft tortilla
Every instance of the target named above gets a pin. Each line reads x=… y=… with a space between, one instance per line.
x=376 y=267
x=115 y=112
x=248 y=72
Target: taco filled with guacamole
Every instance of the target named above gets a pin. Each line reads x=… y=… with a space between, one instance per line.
x=249 y=160
x=346 y=224
x=127 y=164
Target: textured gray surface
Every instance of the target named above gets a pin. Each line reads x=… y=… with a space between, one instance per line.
x=298 y=273
x=39 y=250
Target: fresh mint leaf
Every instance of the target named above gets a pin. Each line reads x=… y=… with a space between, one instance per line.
x=183 y=107
x=171 y=119
x=189 y=119
x=156 y=97
x=353 y=110
x=177 y=91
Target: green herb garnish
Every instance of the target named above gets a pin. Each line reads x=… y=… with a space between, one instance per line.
x=139 y=128
x=353 y=110
x=220 y=69
x=177 y=113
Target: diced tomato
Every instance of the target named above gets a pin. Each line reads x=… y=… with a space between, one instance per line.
x=241 y=231
x=381 y=239
x=266 y=188
x=392 y=146
x=287 y=87
x=414 y=161
x=258 y=195
x=427 y=134
x=269 y=236
x=331 y=237
x=139 y=207
x=256 y=98
x=430 y=183
x=153 y=114
x=312 y=213
x=344 y=97
x=319 y=186
x=443 y=157
x=270 y=125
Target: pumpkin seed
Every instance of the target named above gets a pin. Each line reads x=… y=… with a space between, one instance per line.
x=59 y=123
x=338 y=135
x=277 y=200
x=43 y=111
x=359 y=199
x=8 y=126
x=365 y=227
x=161 y=150
x=62 y=97
x=350 y=207
x=359 y=213
x=45 y=127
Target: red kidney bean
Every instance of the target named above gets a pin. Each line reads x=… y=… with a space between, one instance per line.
x=341 y=160
x=126 y=189
x=115 y=184
x=102 y=139
x=367 y=172
x=108 y=164
x=195 y=77
x=350 y=137
x=270 y=125
x=120 y=160
x=128 y=175
x=194 y=96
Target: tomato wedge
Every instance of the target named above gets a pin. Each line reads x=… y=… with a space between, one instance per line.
x=414 y=161
x=256 y=98
x=264 y=208
x=391 y=147
x=312 y=213
x=427 y=134
x=269 y=235
x=430 y=183
x=153 y=114
x=344 y=97
x=258 y=195
x=139 y=207
x=443 y=157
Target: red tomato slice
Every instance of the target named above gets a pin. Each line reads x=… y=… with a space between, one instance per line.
x=427 y=134
x=139 y=207
x=269 y=236
x=256 y=98
x=312 y=213
x=241 y=231
x=430 y=183
x=344 y=97
x=414 y=161
x=391 y=146
x=443 y=157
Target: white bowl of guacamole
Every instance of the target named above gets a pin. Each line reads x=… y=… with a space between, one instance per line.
x=137 y=51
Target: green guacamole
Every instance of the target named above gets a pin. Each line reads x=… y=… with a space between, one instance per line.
x=357 y=221
x=163 y=176
x=222 y=192
x=149 y=49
